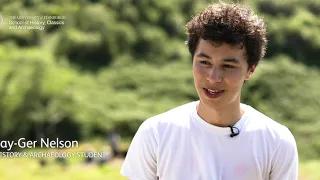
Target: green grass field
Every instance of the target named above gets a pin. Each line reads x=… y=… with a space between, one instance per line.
x=29 y=169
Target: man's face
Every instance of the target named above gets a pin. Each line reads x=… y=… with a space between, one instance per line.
x=219 y=73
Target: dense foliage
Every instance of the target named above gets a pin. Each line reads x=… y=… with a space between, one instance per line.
x=114 y=63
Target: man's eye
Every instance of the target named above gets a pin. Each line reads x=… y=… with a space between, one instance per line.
x=205 y=62
x=228 y=66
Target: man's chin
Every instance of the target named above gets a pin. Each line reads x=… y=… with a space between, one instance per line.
x=211 y=103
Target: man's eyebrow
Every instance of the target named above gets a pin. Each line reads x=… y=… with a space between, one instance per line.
x=232 y=60
x=202 y=54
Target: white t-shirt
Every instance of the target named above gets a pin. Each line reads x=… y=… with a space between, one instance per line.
x=179 y=145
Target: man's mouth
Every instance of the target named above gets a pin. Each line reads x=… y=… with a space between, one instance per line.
x=213 y=93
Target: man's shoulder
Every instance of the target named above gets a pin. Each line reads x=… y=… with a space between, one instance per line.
x=176 y=116
x=260 y=122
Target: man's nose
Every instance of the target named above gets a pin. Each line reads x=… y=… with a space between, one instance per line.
x=215 y=75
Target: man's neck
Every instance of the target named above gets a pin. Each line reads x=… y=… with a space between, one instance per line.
x=220 y=116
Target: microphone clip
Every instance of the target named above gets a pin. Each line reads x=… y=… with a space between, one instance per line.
x=234 y=133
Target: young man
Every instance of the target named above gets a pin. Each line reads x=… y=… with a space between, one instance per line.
x=217 y=137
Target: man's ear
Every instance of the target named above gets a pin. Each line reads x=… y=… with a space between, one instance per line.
x=250 y=72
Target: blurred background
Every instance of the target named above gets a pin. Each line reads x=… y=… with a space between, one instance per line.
x=114 y=63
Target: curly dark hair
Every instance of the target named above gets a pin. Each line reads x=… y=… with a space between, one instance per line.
x=230 y=23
